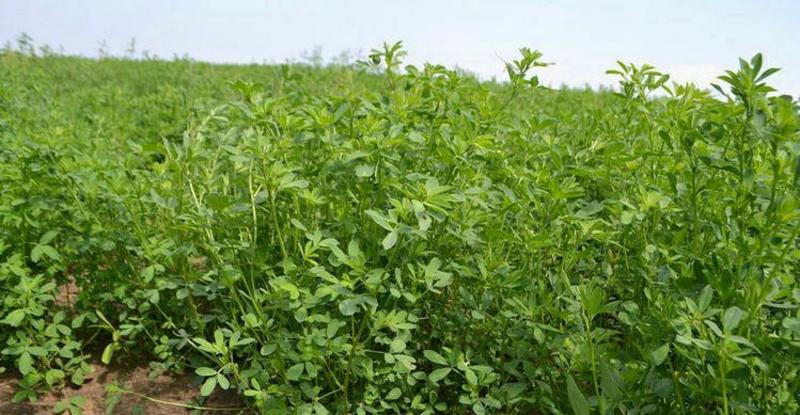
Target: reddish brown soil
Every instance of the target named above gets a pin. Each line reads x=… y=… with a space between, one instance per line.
x=177 y=389
x=165 y=388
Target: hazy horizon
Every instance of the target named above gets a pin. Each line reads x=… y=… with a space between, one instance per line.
x=691 y=41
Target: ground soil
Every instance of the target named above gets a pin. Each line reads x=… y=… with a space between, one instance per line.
x=164 y=391
x=175 y=389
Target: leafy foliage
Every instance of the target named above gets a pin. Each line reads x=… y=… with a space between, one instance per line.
x=377 y=239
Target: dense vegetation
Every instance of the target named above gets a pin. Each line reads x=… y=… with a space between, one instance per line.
x=374 y=238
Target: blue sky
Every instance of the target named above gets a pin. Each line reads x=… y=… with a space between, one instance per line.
x=692 y=40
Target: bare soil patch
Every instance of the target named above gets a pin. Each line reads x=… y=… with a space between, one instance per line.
x=162 y=390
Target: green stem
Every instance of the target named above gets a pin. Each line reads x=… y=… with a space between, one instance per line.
x=182 y=405
x=725 y=410
x=274 y=214
x=592 y=355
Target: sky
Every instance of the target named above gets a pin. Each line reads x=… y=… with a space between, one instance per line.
x=692 y=40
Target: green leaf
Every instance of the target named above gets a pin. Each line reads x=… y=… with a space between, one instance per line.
x=364 y=170
x=381 y=220
x=208 y=386
x=61 y=406
x=322 y=273
x=53 y=376
x=611 y=382
x=284 y=284
x=333 y=327
x=275 y=406
x=108 y=353
x=660 y=354
x=14 y=318
x=705 y=298
x=48 y=237
x=394 y=394
x=743 y=341
x=731 y=319
x=295 y=372
x=312 y=369
x=37 y=351
x=416 y=137
x=439 y=374
x=223 y=382
x=579 y=404
x=792 y=324
x=44 y=250
x=434 y=357
x=148 y=273
x=268 y=349
x=627 y=217
x=320 y=409
x=205 y=345
x=205 y=371
x=397 y=346
x=390 y=240
x=348 y=307
x=25 y=363
x=299 y=225
x=472 y=378
x=290 y=181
